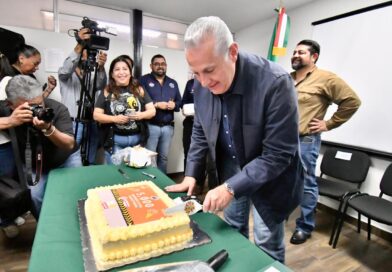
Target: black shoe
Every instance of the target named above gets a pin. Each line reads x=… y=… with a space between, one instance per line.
x=299 y=237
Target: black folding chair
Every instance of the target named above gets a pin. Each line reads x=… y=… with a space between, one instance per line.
x=373 y=207
x=350 y=167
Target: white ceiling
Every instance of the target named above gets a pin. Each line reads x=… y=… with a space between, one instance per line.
x=238 y=14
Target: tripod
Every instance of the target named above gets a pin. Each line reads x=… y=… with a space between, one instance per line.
x=86 y=103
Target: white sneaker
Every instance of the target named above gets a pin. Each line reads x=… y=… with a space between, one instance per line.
x=11 y=231
x=19 y=221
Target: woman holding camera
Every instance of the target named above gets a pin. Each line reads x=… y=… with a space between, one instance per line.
x=121 y=110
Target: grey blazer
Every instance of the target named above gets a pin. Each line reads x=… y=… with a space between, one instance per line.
x=262 y=109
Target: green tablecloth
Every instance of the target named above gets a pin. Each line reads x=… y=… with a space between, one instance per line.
x=57 y=244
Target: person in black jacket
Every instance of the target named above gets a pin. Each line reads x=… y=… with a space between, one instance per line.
x=246 y=118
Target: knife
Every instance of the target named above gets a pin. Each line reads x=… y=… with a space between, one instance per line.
x=189 y=204
x=212 y=264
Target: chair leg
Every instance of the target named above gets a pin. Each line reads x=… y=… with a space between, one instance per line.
x=359 y=223
x=337 y=218
x=339 y=227
x=369 y=228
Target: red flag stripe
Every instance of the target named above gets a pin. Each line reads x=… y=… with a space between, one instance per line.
x=278 y=30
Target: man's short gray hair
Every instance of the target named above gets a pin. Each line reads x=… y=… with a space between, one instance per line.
x=22 y=87
x=210 y=26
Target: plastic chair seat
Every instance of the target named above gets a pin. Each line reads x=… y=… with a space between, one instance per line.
x=377 y=208
x=334 y=189
x=373 y=207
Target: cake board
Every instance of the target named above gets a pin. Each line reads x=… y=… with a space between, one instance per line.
x=199 y=238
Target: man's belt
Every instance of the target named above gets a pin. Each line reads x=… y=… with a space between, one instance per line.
x=162 y=124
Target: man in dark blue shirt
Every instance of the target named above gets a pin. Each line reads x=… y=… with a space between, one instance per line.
x=246 y=118
x=165 y=94
x=187 y=99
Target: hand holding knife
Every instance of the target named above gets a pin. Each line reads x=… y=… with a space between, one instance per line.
x=188 y=204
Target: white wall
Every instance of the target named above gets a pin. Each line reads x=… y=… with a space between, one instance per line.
x=257 y=37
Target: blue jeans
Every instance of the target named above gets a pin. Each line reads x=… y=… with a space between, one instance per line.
x=37 y=194
x=7 y=168
x=159 y=141
x=7 y=165
x=310 y=149
x=38 y=191
x=270 y=241
x=121 y=142
x=94 y=142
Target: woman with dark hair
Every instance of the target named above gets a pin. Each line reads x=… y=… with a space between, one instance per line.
x=121 y=110
x=27 y=62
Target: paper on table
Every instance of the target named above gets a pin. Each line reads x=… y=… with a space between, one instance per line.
x=343 y=155
x=188 y=109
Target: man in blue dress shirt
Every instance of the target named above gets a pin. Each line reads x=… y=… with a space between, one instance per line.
x=246 y=118
x=165 y=94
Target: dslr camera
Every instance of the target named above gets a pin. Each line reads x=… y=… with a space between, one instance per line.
x=96 y=42
x=44 y=114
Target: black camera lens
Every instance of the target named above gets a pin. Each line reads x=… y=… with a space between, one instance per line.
x=44 y=114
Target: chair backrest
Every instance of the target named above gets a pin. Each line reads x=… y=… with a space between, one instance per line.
x=386 y=181
x=353 y=170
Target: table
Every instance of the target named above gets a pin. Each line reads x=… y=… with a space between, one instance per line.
x=57 y=243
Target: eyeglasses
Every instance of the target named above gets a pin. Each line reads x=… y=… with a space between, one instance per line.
x=157 y=64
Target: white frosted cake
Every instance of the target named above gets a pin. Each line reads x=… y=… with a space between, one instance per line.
x=127 y=224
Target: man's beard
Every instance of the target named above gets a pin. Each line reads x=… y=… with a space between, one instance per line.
x=297 y=65
x=159 y=73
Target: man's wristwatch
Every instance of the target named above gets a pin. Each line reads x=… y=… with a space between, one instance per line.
x=229 y=188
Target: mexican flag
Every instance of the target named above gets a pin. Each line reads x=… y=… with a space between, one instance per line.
x=280 y=36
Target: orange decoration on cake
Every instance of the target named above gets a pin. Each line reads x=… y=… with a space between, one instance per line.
x=141 y=203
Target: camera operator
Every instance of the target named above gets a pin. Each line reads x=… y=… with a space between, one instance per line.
x=70 y=76
x=45 y=123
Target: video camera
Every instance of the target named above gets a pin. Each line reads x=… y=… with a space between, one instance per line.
x=88 y=82
x=44 y=114
x=96 y=42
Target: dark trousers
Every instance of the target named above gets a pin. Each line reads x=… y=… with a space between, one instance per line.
x=186 y=136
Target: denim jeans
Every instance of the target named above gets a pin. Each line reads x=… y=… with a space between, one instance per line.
x=121 y=142
x=159 y=141
x=38 y=190
x=7 y=161
x=310 y=149
x=7 y=168
x=270 y=241
x=94 y=141
x=37 y=194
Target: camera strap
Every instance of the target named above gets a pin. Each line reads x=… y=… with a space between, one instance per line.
x=28 y=159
